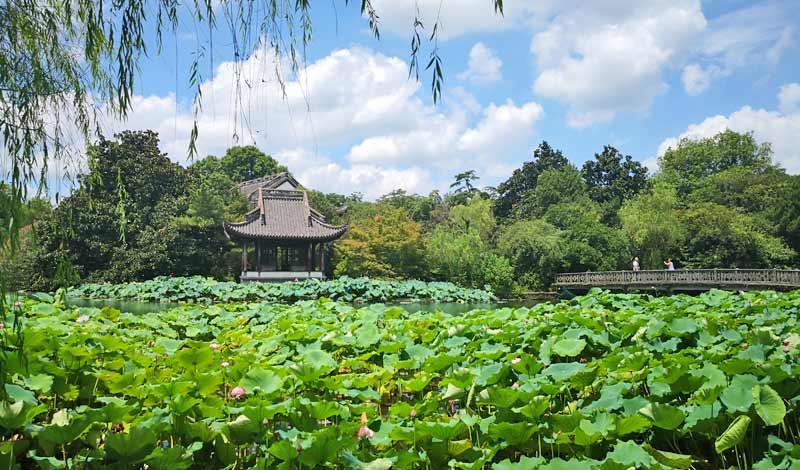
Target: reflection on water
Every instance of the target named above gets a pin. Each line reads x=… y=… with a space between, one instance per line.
x=458 y=308
x=133 y=306
x=130 y=306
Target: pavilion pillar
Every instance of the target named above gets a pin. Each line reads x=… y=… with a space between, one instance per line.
x=309 y=264
x=244 y=256
x=322 y=257
x=258 y=256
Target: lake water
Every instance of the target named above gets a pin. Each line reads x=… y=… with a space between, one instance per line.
x=133 y=306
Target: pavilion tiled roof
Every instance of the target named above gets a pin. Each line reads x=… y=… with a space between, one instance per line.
x=281 y=214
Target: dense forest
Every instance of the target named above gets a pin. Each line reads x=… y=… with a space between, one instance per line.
x=716 y=202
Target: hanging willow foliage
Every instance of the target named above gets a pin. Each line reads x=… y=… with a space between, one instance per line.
x=67 y=64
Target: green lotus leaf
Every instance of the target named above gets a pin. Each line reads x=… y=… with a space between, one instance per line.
x=569 y=347
x=18 y=414
x=769 y=405
x=733 y=435
x=630 y=453
x=670 y=459
x=524 y=463
x=739 y=394
x=663 y=416
x=458 y=447
x=563 y=371
x=264 y=380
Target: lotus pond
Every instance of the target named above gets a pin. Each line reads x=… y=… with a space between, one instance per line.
x=202 y=289
x=600 y=382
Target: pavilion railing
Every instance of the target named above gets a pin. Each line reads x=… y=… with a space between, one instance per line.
x=682 y=277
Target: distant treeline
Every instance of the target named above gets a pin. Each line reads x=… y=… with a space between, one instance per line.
x=715 y=202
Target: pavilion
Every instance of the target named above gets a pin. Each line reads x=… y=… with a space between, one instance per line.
x=282 y=238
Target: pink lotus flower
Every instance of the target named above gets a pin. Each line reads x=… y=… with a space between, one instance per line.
x=364 y=431
x=82 y=319
x=787 y=341
x=515 y=385
x=224 y=364
x=214 y=346
x=786 y=350
x=2 y=325
x=516 y=360
x=18 y=304
x=237 y=392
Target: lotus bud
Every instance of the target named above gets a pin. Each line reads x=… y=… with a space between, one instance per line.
x=237 y=392
x=224 y=364
x=515 y=385
x=516 y=360
x=413 y=412
x=2 y=325
x=787 y=341
x=214 y=346
x=786 y=350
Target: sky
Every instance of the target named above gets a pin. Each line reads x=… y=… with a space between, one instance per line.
x=638 y=75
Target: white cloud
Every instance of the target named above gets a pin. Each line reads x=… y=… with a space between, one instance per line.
x=501 y=128
x=484 y=65
x=780 y=128
x=608 y=57
x=447 y=145
x=322 y=173
x=696 y=78
x=456 y=18
x=351 y=121
x=755 y=36
x=789 y=98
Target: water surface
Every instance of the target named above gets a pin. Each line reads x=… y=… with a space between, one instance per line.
x=453 y=308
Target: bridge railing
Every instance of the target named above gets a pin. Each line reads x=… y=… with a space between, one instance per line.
x=683 y=277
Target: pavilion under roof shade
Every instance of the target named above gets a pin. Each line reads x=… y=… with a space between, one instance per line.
x=281 y=214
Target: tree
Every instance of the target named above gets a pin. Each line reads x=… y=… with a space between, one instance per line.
x=383 y=243
x=612 y=178
x=240 y=164
x=723 y=237
x=420 y=208
x=512 y=191
x=653 y=225
x=463 y=182
x=553 y=186
x=691 y=161
x=534 y=248
x=171 y=217
x=459 y=250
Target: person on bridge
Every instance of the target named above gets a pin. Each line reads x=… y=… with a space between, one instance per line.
x=635 y=263
x=669 y=265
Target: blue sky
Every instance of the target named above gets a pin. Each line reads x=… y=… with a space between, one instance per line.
x=636 y=75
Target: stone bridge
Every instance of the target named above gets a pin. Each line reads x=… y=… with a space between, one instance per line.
x=682 y=279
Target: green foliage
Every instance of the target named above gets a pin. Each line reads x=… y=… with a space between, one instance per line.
x=691 y=161
x=534 y=247
x=653 y=224
x=601 y=381
x=726 y=238
x=612 y=178
x=200 y=289
x=511 y=192
x=381 y=243
x=553 y=187
x=459 y=250
x=240 y=164
x=171 y=219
